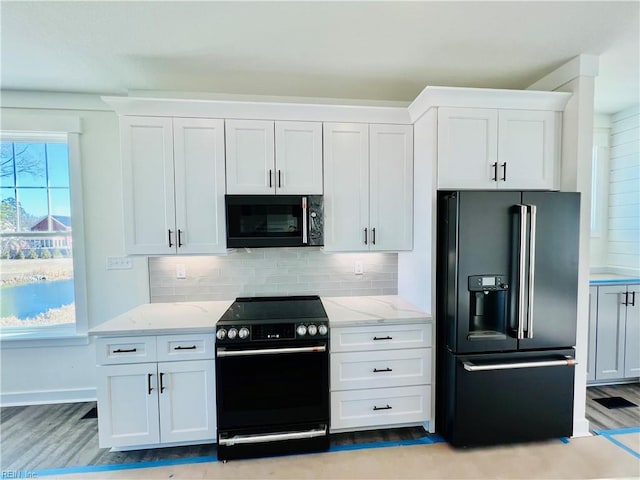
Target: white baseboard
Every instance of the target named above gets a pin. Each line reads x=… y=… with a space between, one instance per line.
x=48 y=396
x=580 y=428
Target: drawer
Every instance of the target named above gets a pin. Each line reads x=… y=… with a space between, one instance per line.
x=381 y=406
x=387 y=368
x=115 y=350
x=185 y=347
x=383 y=337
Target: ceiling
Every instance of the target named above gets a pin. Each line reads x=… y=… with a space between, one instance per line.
x=356 y=50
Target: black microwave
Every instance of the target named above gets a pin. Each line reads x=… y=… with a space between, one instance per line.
x=274 y=220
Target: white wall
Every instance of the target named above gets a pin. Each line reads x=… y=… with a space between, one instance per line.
x=68 y=372
x=600 y=192
x=623 y=246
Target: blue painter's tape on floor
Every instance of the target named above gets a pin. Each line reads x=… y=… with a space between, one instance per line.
x=428 y=440
x=123 y=466
x=564 y=440
x=610 y=434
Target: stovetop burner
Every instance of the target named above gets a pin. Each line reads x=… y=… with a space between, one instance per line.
x=293 y=318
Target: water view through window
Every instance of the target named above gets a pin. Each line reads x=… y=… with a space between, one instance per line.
x=36 y=249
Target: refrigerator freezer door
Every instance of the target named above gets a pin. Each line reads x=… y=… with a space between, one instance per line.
x=551 y=305
x=507 y=398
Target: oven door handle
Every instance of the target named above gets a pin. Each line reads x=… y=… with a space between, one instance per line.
x=271 y=437
x=270 y=351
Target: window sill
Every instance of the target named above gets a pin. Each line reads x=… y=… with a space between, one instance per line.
x=45 y=337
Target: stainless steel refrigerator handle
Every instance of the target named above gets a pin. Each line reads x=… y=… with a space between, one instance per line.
x=271 y=437
x=270 y=351
x=532 y=268
x=305 y=238
x=521 y=270
x=471 y=367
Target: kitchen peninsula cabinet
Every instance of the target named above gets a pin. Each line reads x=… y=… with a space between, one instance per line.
x=488 y=148
x=617 y=355
x=173 y=185
x=156 y=390
x=266 y=157
x=368 y=187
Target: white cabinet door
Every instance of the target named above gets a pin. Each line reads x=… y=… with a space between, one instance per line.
x=148 y=188
x=250 y=156
x=632 y=337
x=527 y=149
x=467 y=148
x=346 y=187
x=298 y=167
x=199 y=185
x=187 y=401
x=391 y=187
x=128 y=405
x=593 y=322
x=611 y=332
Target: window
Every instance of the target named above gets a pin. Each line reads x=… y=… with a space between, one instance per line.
x=40 y=285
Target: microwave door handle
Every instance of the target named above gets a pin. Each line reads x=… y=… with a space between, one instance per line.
x=305 y=238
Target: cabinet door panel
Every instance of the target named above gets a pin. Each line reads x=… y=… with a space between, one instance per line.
x=148 y=188
x=611 y=332
x=187 y=401
x=127 y=411
x=526 y=149
x=249 y=156
x=632 y=338
x=467 y=147
x=391 y=187
x=200 y=185
x=298 y=158
x=346 y=187
x=593 y=317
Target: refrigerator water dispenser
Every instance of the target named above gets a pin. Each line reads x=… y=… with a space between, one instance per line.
x=488 y=307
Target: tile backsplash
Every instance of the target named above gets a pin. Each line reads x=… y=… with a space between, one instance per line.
x=271 y=271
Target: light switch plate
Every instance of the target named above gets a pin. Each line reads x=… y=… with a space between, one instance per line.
x=181 y=270
x=119 y=263
x=358 y=268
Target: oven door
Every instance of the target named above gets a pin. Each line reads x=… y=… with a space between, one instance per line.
x=271 y=385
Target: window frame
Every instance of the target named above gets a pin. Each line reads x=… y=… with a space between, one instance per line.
x=38 y=128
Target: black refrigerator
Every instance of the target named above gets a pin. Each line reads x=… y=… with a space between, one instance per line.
x=507 y=281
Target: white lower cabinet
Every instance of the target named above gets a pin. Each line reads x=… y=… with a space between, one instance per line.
x=380 y=376
x=154 y=403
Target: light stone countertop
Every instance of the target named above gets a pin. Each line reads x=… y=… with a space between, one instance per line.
x=372 y=310
x=201 y=317
x=611 y=279
x=165 y=318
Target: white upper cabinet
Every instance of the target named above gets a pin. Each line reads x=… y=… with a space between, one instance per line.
x=391 y=187
x=482 y=148
x=173 y=185
x=368 y=187
x=265 y=157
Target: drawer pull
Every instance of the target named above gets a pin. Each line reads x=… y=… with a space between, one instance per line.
x=383 y=338
x=388 y=407
x=376 y=370
x=131 y=350
x=180 y=347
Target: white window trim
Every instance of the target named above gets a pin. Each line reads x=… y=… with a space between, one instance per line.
x=57 y=335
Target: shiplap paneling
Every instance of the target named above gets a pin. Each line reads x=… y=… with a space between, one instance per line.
x=623 y=248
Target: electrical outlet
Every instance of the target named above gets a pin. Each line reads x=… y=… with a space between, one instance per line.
x=358 y=268
x=119 y=263
x=181 y=270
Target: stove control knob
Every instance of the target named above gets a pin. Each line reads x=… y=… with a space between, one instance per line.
x=312 y=329
x=301 y=330
x=322 y=329
x=221 y=334
x=243 y=333
x=233 y=333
